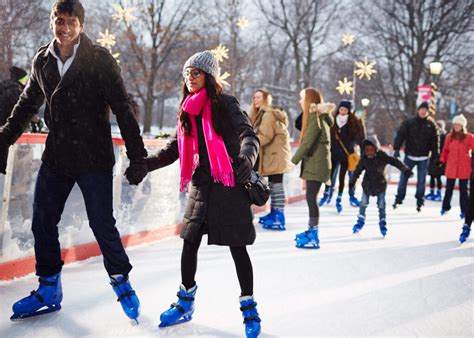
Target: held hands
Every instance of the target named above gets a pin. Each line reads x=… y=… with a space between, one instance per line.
x=136 y=171
x=408 y=173
x=396 y=154
x=243 y=169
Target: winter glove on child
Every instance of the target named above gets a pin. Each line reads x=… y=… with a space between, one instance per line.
x=244 y=168
x=136 y=172
x=396 y=154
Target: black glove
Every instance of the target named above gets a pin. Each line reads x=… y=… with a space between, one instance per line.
x=136 y=171
x=408 y=173
x=396 y=154
x=4 y=146
x=244 y=168
x=438 y=163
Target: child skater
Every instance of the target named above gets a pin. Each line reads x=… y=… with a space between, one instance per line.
x=374 y=161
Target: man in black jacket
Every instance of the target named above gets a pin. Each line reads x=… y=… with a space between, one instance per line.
x=419 y=134
x=80 y=83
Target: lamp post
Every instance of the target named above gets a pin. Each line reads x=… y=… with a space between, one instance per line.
x=365 y=103
x=435 y=69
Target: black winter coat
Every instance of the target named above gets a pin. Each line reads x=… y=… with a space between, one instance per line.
x=223 y=213
x=374 y=182
x=433 y=168
x=78 y=110
x=10 y=92
x=420 y=137
x=348 y=138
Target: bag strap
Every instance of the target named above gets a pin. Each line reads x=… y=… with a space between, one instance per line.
x=340 y=142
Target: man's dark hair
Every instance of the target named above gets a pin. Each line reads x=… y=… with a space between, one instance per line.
x=71 y=7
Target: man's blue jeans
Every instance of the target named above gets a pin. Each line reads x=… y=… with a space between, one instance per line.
x=51 y=192
x=421 y=169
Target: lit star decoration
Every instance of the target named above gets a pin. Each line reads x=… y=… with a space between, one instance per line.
x=365 y=69
x=348 y=39
x=345 y=86
x=243 y=23
x=116 y=56
x=106 y=40
x=221 y=78
x=123 y=13
x=220 y=52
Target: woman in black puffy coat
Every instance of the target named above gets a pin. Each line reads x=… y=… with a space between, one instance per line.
x=217 y=148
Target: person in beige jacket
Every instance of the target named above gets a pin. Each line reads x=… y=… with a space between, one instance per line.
x=271 y=126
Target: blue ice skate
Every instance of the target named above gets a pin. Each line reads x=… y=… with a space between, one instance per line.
x=248 y=306
x=182 y=311
x=326 y=199
x=45 y=300
x=359 y=225
x=270 y=215
x=308 y=239
x=126 y=296
x=383 y=227
x=354 y=201
x=462 y=215
x=338 y=203
x=438 y=197
x=443 y=212
x=277 y=223
x=466 y=230
x=430 y=196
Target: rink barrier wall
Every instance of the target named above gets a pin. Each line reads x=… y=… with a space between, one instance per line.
x=77 y=238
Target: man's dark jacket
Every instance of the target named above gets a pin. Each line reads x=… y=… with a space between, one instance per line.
x=77 y=110
x=420 y=137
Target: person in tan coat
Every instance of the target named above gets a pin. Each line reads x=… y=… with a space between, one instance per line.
x=271 y=126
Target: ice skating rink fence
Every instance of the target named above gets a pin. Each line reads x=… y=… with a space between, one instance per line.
x=144 y=213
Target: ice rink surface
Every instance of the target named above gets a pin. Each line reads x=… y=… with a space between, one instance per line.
x=418 y=281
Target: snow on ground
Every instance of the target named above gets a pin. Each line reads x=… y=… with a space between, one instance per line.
x=416 y=282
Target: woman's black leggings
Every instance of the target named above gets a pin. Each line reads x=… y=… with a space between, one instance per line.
x=463 y=194
x=342 y=173
x=243 y=265
x=312 y=190
x=436 y=181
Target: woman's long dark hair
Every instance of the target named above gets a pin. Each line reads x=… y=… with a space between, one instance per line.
x=353 y=123
x=214 y=91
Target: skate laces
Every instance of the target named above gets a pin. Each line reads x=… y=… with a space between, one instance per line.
x=122 y=285
x=37 y=295
x=249 y=311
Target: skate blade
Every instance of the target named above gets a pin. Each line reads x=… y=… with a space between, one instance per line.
x=182 y=320
x=22 y=317
x=274 y=229
x=307 y=246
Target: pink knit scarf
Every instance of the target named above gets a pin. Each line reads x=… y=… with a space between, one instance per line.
x=221 y=168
